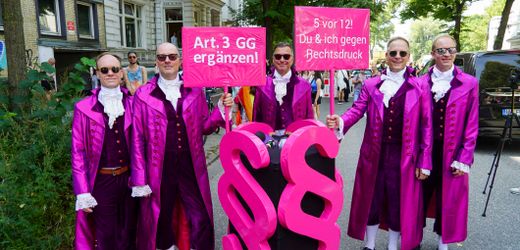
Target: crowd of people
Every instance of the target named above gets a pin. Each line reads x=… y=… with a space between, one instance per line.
x=139 y=169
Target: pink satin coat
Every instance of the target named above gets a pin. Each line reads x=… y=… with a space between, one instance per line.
x=416 y=153
x=148 y=143
x=265 y=103
x=460 y=139
x=88 y=132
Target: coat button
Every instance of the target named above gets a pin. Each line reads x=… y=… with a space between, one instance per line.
x=118 y=141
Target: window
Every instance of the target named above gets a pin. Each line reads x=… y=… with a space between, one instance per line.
x=173 y=20
x=49 y=17
x=85 y=20
x=215 y=18
x=1 y=17
x=131 y=24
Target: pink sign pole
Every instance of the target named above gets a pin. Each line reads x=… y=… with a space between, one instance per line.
x=331 y=39
x=226 y=113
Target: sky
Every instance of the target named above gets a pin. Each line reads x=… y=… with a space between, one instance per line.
x=403 y=29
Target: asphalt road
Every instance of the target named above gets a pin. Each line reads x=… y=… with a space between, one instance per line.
x=500 y=229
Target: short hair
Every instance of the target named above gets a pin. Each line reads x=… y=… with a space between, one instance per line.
x=107 y=54
x=283 y=45
x=393 y=39
x=444 y=35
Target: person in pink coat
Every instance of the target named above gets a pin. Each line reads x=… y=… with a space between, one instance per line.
x=455 y=129
x=101 y=130
x=395 y=154
x=286 y=97
x=168 y=160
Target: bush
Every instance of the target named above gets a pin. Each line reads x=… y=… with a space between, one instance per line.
x=36 y=200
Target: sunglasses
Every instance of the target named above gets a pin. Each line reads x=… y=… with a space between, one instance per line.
x=285 y=56
x=172 y=57
x=442 y=51
x=393 y=53
x=132 y=57
x=104 y=70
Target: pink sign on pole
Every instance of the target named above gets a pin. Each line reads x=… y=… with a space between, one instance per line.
x=331 y=38
x=221 y=56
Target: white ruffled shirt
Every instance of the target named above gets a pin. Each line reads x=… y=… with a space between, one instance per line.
x=171 y=88
x=392 y=82
x=280 y=85
x=112 y=100
x=441 y=82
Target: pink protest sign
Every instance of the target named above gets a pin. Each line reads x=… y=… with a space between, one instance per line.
x=331 y=38
x=217 y=56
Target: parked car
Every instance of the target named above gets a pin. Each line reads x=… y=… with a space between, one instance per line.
x=493 y=70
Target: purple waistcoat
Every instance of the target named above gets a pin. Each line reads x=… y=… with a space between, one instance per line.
x=284 y=112
x=393 y=117
x=115 y=149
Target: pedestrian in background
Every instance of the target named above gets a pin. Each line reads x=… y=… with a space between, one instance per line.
x=358 y=81
x=395 y=155
x=134 y=74
x=101 y=130
x=455 y=129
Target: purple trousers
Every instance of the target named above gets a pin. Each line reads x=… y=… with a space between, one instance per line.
x=179 y=182
x=388 y=188
x=433 y=184
x=115 y=216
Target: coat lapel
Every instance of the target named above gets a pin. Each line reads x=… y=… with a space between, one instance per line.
x=153 y=102
x=128 y=117
x=88 y=109
x=189 y=98
x=412 y=95
x=459 y=89
x=377 y=96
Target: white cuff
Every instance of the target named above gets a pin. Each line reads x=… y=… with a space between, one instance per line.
x=339 y=131
x=223 y=110
x=425 y=171
x=85 y=200
x=460 y=166
x=140 y=191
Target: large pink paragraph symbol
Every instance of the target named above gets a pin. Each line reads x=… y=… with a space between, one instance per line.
x=302 y=179
x=236 y=178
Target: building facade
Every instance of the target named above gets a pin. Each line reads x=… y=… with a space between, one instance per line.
x=140 y=25
x=512 y=34
x=62 y=29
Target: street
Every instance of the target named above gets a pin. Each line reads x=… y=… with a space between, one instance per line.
x=499 y=230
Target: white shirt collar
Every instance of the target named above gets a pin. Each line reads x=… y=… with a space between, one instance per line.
x=171 y=89
x=392 y=82
x=287 y=76
x=441 y=82
x=112 y=100
x=445 y=75
x=280 y=85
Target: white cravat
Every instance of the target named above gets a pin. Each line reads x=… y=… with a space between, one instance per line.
x=441 y=82
x=280 y=85
x=171 y=88
x=392 y=83
x=112 y=100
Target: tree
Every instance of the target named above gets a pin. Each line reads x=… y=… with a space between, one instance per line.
x=15 y=51
x=474 y=31
x=503 y=25
x=277 y=16
x=446 y=10
x=423 y=32
x=381 y=28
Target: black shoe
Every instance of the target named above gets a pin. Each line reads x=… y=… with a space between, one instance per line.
x=417 y=247
x=366 y=248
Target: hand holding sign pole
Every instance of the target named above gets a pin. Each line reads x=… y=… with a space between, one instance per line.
x=331 y=39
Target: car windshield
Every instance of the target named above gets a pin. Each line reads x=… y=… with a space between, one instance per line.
x=494 y=70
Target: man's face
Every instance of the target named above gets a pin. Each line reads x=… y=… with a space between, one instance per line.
x=283 y=60
x=106 y=67
x=397 y=55
x=168 y=60
x=442 y=53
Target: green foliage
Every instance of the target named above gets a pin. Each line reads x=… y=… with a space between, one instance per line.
x=281 y=13
x=381 y=28
x=473 y=36
x=36 y=201
x=423 y=31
